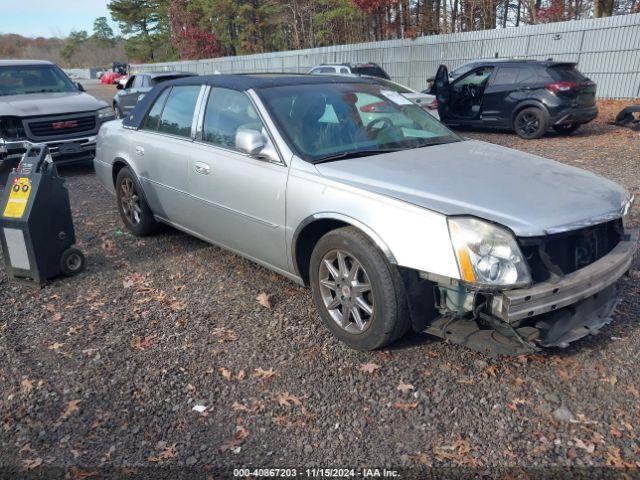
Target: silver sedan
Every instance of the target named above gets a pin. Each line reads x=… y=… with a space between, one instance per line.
x=395 y=222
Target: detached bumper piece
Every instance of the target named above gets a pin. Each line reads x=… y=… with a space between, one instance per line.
x=549 y=314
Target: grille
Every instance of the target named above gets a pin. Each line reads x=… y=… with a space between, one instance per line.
x=567 y=252
x=55 y=127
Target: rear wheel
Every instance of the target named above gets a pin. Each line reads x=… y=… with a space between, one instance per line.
x=359 y=295
x=566 y=129
x=530 y=123
x=133 y=208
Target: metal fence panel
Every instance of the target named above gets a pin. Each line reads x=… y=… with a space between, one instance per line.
x=606 y=49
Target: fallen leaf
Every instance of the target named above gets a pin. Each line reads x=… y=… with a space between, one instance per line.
x=77 y=474
x=491 y=371
x=421 y=458
x=633 y=391
x=226 y=373
x=72 y=406
x=241 y=375
x=286 y=399
x=33 y=463
x=458 y=453
x=405 y=405
x=26 y=386
x=264 y=300
x=166 y=454
x=405 y=387
x=369 y=367
x=588 y=447
x=224 y=335
x=239 y=436
x=142 y=344
x=264 y=374
x=56 y=346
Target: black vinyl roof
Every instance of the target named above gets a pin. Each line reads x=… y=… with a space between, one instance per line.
x=239 y=82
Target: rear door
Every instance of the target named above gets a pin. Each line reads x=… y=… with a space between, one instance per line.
x=160 y=152
x=507 y=87
x=239 y=199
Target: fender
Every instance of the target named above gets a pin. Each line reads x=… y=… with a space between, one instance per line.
x=384 y=248
x=530 y=102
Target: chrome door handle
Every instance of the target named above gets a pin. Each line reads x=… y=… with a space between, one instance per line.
x=202 y=168
x=139 y=151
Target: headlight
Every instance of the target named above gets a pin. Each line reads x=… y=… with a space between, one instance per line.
x=105 y=112
x=487 y=254
x=626 y=208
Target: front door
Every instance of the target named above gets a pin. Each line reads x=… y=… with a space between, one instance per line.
x=159 y=152
x=239 y=199
x=466 y=95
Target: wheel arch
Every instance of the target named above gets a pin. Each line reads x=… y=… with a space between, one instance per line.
x=526 y=104
x=312 y=228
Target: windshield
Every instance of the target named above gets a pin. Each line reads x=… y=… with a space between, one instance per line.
x=333 y=121
x=20 y=80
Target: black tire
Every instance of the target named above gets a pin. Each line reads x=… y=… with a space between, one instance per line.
x=138 y=221
x=72 y=261
x=530 y=123
x=389 y=318
x=566 y=129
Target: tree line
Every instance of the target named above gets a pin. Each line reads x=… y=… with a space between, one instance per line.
x=157 y=30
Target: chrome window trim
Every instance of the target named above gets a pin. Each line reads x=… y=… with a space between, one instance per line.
x=198 y=115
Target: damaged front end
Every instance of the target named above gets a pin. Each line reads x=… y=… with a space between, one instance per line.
x=573 y=294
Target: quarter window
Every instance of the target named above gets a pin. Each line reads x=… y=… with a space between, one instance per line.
x=506 y=76
x=227 y=112
x=153 y=117
x=177 y=115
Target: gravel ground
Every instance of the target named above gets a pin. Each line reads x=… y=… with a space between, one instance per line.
x=100 y=374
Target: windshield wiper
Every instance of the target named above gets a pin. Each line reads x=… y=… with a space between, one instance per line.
x=356 y=154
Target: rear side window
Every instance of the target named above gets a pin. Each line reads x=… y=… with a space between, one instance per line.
x=153 y=117
x=566 y=73
x=227 y=112
x=177 y=114
x=506 y=76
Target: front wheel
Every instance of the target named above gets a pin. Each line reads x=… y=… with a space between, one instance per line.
x=566 y=129
x=360 y=296
x=530 y=123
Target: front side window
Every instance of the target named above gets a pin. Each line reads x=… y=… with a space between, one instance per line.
x=227 y=112
x=478 y=77
x=177 y=114
x=324 y=121
x=24 y=80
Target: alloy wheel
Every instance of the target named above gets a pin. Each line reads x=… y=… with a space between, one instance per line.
x=346 y=291
x=129 y=201
x=528 y=124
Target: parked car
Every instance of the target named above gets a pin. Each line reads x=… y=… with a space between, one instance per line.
x=137 y=86
x=425 y=101
x=395 y=222
x=40 y=104
x=370 y=69
x=527 y=96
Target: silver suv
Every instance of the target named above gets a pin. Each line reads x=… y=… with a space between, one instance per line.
x=369 y=69
x=40 y=104
x=394 y=221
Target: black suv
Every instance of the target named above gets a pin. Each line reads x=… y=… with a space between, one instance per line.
x=527 y=96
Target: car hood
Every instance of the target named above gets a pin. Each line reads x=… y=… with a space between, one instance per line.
x=40 y=104
x=530 y=195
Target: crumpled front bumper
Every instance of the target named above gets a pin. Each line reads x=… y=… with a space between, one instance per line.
x=515 y=305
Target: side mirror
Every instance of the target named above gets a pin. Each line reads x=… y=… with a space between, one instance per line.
x=80 y=87
x=253 y=143
x=119 y=86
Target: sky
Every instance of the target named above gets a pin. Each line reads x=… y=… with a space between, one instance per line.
x=50 y=18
